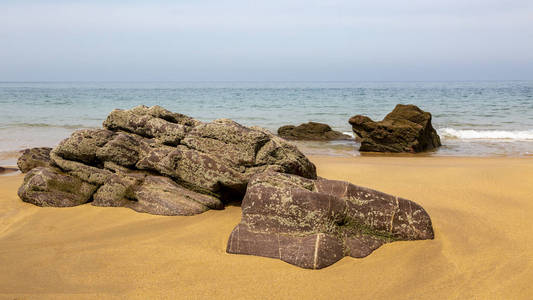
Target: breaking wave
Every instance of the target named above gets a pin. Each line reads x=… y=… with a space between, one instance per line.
x=468 y=134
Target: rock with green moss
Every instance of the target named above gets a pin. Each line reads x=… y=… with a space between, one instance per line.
x=49 y=186
x=156 y=161
x=406 y=129
x=157 y=195
x=314 y=223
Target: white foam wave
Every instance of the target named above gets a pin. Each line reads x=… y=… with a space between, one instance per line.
x=350 y=133
x=521 y=135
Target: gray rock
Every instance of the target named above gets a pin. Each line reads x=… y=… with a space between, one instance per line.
x=155 y=161
x=157 y=195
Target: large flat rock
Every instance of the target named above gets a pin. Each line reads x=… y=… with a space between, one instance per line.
x=314 y=223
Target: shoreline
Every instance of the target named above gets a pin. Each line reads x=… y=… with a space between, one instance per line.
x=327 y=149
x=479 y=208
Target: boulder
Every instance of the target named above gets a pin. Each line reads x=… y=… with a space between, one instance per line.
x=155 y=161
x=406 y=129
x=314 y=223
x=311 y=131
x=49 y=186
x=33 y=157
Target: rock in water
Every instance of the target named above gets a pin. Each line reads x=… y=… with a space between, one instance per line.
x=155 y=161
x=406 y=129
x=311 y=131
x=314 y=223
x=34 y=157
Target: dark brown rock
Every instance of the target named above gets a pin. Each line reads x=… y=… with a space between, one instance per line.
x=155 y=161
x=311 y=131
x=314 y=223
x=34 y=157
x=406 y=129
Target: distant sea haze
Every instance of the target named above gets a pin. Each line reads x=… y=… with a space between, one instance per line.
x=472 y=118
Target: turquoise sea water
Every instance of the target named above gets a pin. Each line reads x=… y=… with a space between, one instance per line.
x=473 y=118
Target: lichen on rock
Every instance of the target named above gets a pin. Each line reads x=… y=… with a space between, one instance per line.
x=314 y=223
x=156 y=161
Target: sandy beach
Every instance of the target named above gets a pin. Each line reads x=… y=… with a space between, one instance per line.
x=480 y=207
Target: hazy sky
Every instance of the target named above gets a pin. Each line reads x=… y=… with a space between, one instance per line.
x=268 y=40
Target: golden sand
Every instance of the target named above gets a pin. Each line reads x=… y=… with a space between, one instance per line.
x=482 y=211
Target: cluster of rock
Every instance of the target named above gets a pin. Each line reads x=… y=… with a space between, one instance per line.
x=406 y=129
x=155 y=161
x=311 y=131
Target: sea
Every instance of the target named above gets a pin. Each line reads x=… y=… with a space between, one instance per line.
x=479 y=118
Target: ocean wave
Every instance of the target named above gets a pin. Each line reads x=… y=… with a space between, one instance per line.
x=468 y=134
x=350 y=133
x=43 y=125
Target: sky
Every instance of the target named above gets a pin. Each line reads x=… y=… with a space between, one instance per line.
x=275 y=40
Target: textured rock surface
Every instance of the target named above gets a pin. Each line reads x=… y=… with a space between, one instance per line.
x=155 y=161
x=48 y=186
x=314 y=223
x=406 y=129
x=33 y=157
x=311 y=131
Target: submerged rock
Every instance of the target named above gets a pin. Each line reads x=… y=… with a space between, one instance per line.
x=314 y=223
x=311 y=131
x=406 y=129
x=33 y=157
x=155 y=161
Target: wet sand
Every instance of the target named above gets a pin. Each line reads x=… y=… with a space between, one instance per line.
x=481 y=209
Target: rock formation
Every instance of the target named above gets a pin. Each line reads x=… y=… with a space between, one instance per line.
x=156 y=161
x=311 y=131
x=406 y=129
x=314 y=223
